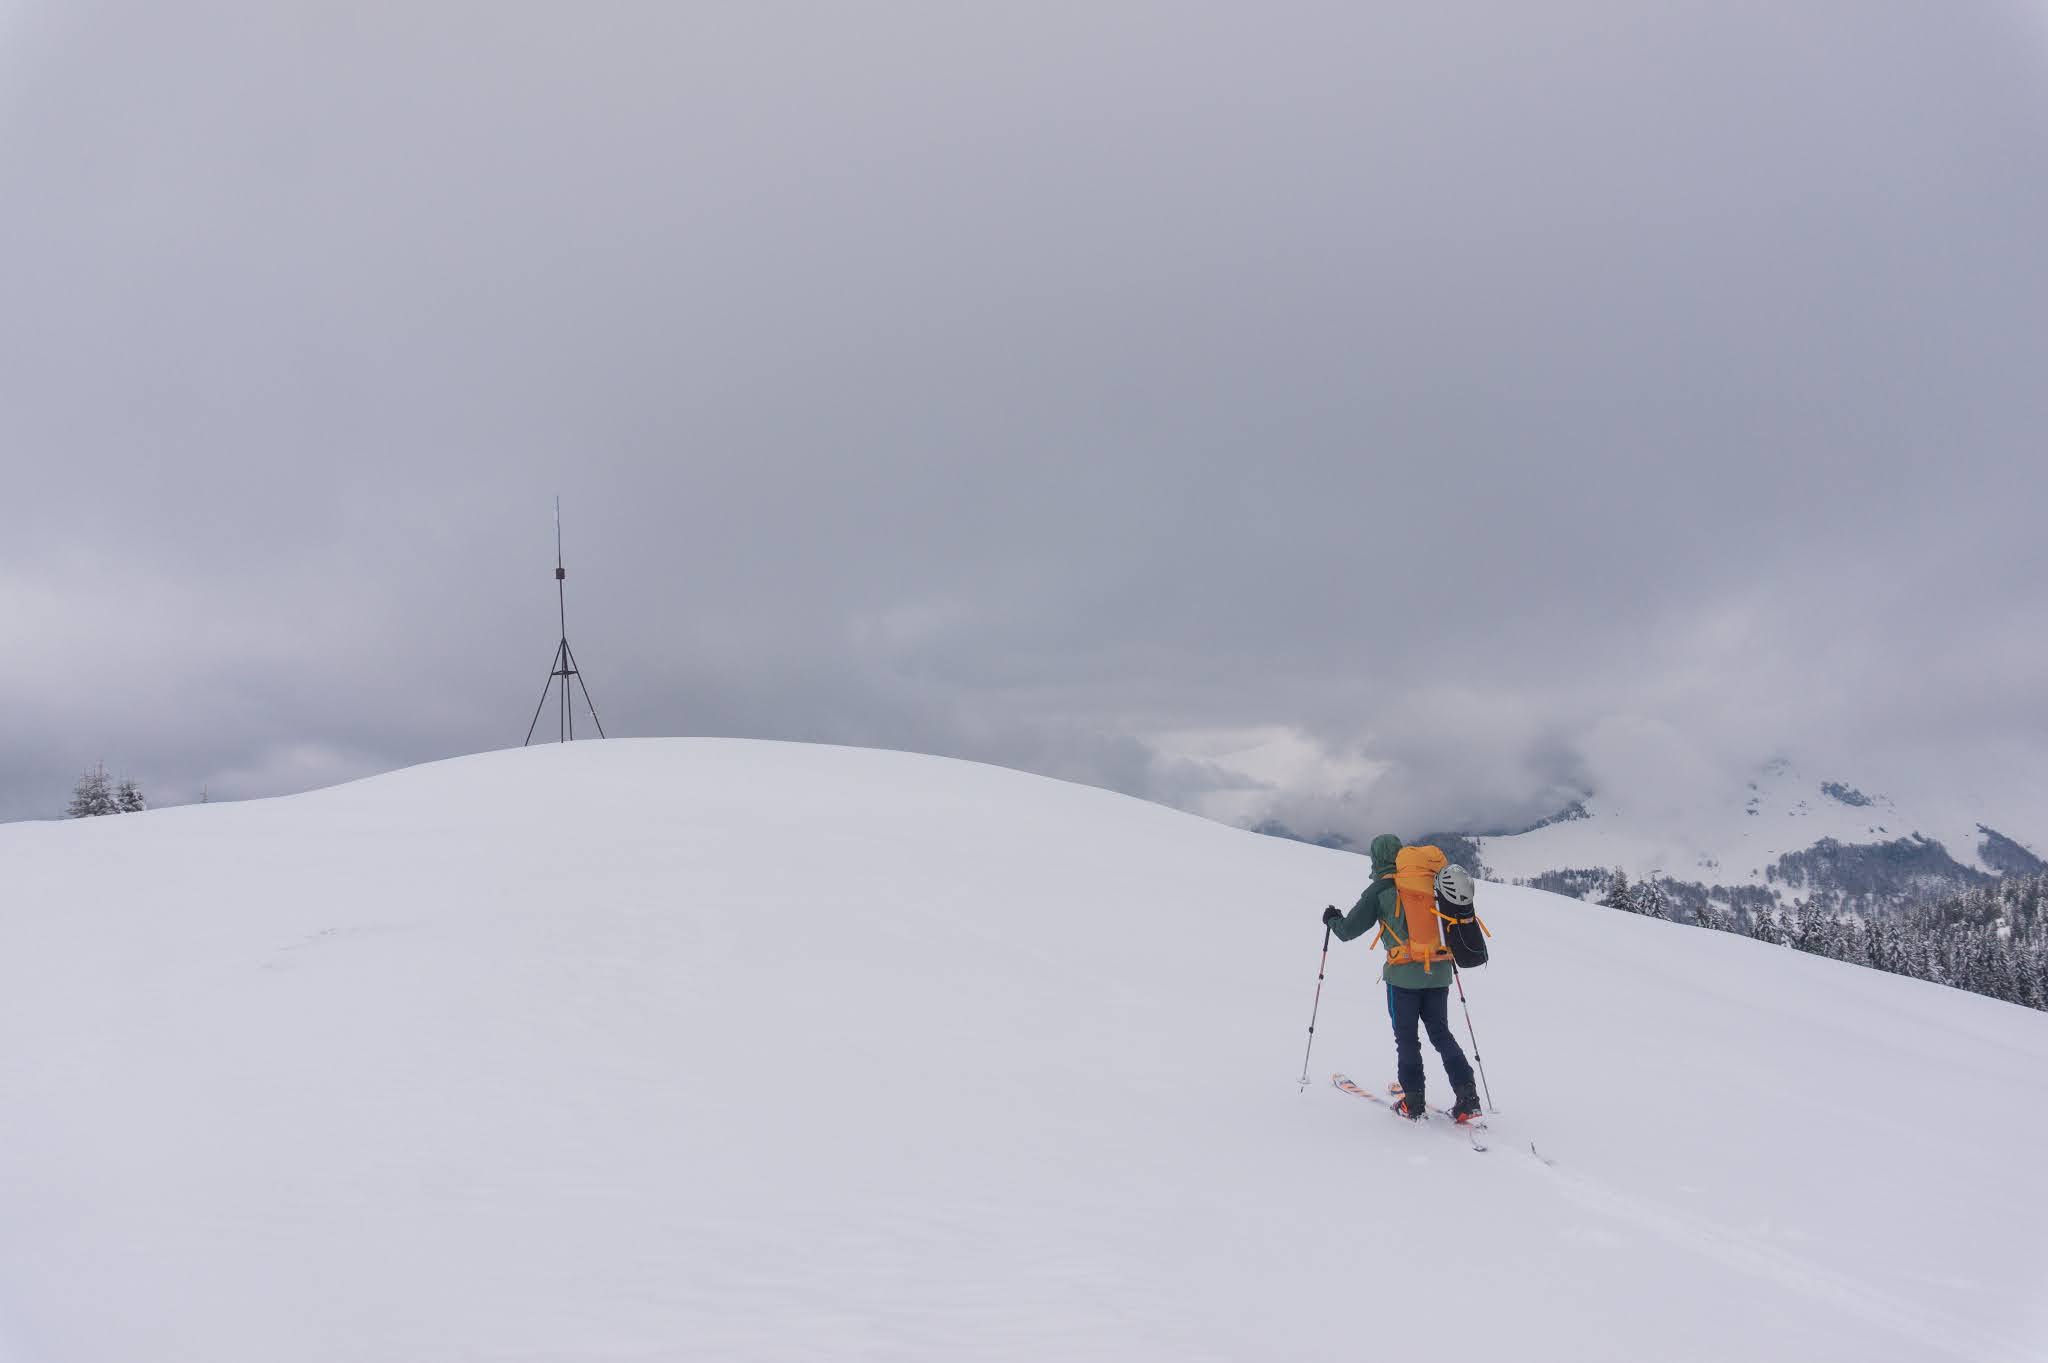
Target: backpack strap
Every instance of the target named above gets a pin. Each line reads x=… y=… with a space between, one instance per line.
x=1398 y=953
x=1455 y=921
x=1460 y=922
x=1381 y=930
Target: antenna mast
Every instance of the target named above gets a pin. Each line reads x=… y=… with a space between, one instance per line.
x=564 y=665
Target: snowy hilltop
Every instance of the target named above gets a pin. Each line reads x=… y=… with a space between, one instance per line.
x=1788 y=834
x=743 y=1051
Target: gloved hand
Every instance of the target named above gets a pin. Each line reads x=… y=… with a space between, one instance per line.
x=1332 y=916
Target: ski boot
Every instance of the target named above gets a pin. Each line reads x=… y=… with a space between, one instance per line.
x=1467 y=1109
x=1410 y=1106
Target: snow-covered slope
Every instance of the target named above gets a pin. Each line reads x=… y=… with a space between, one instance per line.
x=741 y=1051
x=1732 y=837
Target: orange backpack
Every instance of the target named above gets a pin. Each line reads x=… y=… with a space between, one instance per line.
x=1422 y=944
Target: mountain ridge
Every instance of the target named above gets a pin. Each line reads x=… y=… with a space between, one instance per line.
x=1784 y=836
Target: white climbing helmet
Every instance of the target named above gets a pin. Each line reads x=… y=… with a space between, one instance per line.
x=1454 y=885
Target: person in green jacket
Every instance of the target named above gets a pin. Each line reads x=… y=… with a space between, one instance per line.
x=1418 y=999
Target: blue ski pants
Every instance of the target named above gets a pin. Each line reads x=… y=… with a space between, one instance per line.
x=1425 y=1010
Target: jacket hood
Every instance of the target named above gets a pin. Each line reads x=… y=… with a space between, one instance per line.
x=1385 y=848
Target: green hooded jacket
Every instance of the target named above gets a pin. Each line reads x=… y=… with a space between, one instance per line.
x=1380 y=907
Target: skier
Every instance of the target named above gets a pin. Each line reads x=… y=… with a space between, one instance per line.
x=1418 y=976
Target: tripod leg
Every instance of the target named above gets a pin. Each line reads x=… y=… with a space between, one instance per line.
x=543 y=700
x=586 y=692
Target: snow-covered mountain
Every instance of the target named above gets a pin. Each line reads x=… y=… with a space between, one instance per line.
x=1791 y=830
x=745 y=1051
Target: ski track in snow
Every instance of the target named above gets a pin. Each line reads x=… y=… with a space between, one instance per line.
x=1944 y=1334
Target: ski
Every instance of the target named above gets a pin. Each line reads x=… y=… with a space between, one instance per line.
x=1471 y=1129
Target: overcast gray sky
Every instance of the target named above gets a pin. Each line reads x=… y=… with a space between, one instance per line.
x=1367 y=413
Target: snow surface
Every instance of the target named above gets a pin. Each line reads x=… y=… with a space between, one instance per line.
x=1730 y=837
x=666 y=1050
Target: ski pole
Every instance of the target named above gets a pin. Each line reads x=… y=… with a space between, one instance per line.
x=1459 y=980
x=1321 y=966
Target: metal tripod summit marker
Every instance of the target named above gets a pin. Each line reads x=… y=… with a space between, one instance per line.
x=564 y=665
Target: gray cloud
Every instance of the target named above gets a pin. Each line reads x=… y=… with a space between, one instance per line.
x=1498 y=399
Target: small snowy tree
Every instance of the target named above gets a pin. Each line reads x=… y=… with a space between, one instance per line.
x=1619 y=894
x=1813 y=930
x=129 y=798
x=1767 y=926
x=93 y=795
